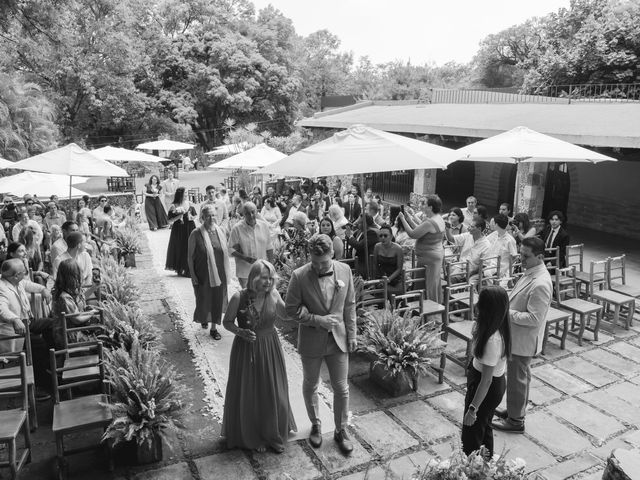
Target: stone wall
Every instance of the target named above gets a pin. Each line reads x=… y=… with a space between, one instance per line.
x=121 y=200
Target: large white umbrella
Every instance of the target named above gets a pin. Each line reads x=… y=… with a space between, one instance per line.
x=41 y=184
x=232 y=148
x=167 y=145
x=259 y=156
x=523 y=145
x=70 y=160
x=115 y=154
x=5 y=163
x=361 y=149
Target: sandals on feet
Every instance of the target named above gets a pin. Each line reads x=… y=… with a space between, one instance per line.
x=215 y=334
x=204 y=325
x=261 y=449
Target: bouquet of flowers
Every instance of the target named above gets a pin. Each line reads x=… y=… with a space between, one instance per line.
x=472 y=467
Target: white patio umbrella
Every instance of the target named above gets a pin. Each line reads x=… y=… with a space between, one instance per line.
x=523 y=145
x=5 y=163
x=361 y=149
x=70 y=160
x=42 y=184
x=115 y=154
x=167 y=145
x=259 y=156
x=229 y=149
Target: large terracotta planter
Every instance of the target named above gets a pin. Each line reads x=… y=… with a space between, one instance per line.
x=394 y=385
x=150 y=452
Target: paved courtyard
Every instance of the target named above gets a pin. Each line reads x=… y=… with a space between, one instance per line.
x=584 y=403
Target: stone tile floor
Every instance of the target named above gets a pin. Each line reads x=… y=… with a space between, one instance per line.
x=584 y=403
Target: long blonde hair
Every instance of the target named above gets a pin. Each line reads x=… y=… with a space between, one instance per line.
x=269 y=306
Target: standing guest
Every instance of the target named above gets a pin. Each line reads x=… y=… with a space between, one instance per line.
x=502 y=244
x=358 y=241
x=23 y=223
x=271 y=193
x=220 y=207
x=182 y=214
x=249 y=240
x=388 y=258
x=373 y=209
x=256 y=367
x=210 y=271
x=485 y=375
x=98 y=212
x=169 y=187
x=224 y=196
x=529 y=304
x=27 y=238
x=81 y=208
x=336 y=214
x=293 y=208
x=428 y=248
x=352 y=208
x=271 y=214
x=337 y=200
x=327 y=228
x=9 y=213
x=77 y=252
x=60 y=245
x=53 y=217
x=469 y=210
x=505 y=209
x=368 y=196
x=555 y=236
x=456 y=219
x=321 y=299
x=522 y=228
x=153 y=208
x=256 y=197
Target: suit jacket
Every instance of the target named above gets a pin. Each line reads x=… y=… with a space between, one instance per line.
x=304 y=302
x=561 y=241
x=352 y=214
x=528 y=307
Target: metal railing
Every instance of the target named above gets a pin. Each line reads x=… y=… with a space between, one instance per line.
x=393 y=186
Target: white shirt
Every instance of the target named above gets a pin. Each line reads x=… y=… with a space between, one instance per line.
x=83 y=259
x=58 y=248
x=253 y=241
x=327 y=287
x=503 y=246
x=493 y=356
x=551 y=237
x=472 y=250
x=468 y=216
x=37 y=231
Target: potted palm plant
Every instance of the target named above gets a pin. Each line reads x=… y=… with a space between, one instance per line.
x=147 y=400
x=401 y=348
x=128 y=243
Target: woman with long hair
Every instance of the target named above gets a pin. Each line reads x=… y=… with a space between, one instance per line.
x=388 y=259
x=271 y=214
x=182 y=214
x=27 y=237
x=256 y=197
x=486 y=374
x=521 y=227
x=153 y=208
x=359 y=239
x=257 y=412
x=326 y=227
x=69 y=301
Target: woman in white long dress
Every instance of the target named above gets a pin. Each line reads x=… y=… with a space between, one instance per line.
x=271 y=214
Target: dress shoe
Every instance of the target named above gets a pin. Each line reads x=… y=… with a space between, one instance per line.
x=505 y=425
x=343 y=441
x=501 y=413
x=42 y=395
x=315 y=437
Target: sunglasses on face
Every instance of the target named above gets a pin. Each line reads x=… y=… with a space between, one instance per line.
x=383 y=235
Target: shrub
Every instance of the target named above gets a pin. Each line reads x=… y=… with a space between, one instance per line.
x=126 y=323
x=116 y=282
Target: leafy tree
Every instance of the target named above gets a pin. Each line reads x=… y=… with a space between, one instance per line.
x=26 y=119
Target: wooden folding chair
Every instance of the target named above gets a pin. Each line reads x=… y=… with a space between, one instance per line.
x=617 y=277
x=414 y=279
x=567 y=298
x=15 y=420
x=412 y=302
x=78 y=414
x=488 y=272
x=457 y=321
x=374 y=294
x=79 y=357
x=609 y=298
x=552 y=259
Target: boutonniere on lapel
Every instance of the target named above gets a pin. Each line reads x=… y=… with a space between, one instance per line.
x=339 y=285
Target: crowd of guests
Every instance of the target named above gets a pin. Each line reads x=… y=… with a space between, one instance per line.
x=47 y=275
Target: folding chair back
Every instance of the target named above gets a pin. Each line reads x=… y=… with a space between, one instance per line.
x=95 y=377
x=409 y=302
x=566 y=285
x=617 y=271
x=598 y=271
x=575 y=256
x=374 y=294
x=413 y=279
x=457 y=273
x=458 y=302
x=552 y=259
x=13 y=382
x=489 y=271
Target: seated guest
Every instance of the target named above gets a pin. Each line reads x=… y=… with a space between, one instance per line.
x=16 y=314
x=24 y=222
x=352 y=208
x=505 y=209
x=481 y=212
x=388 y=259
x=81 y=209
x=554 y=235
x=77 y=252
x=99 y=210
x=68 y=298
x=456 y=219
x=521 y=227
x=327 y=228
x=59 y=246
x=473 y=247
x=373 y=209
x=32 y=213
x=294 y=207
x=337 y=200
x=9 y=214
x=34 y=257
x=469 y=210
x=336 y=214
x=502 y=244
x=53 y=217
x=357 y=241
x=378 y=199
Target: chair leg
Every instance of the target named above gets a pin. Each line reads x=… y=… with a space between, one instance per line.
x=443 y=363
x=564 y=333
x=583 y=324
x=597 y=326
x=13 y=465
x=60 y=457
x=27 y=439
x=616 y=316
x=34 y=411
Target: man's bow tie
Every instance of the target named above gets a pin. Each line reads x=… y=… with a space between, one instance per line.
x=325 y=274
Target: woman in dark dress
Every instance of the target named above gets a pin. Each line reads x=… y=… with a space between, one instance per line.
x=388 y=259
x=181 y=213
x=153 y=209
x=257 y=412
x=357 y=242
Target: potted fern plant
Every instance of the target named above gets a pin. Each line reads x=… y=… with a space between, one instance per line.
x=128 y=243
x=147 y=400
x=401 y=348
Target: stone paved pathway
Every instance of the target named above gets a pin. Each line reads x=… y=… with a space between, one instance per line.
x=584 y=403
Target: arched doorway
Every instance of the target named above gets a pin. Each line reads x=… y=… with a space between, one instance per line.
x=454 y=184
x=507 y=185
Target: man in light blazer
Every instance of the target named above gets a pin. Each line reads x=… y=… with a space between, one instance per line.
x=321 y=299
x=528 y=306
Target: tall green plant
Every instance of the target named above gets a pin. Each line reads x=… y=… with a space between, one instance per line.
x=116 y=282
x=124 y=324
x=148 y=400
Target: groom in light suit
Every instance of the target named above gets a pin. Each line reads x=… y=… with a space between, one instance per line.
x=321 y=299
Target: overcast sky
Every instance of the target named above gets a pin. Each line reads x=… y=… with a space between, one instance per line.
x=419 y=30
